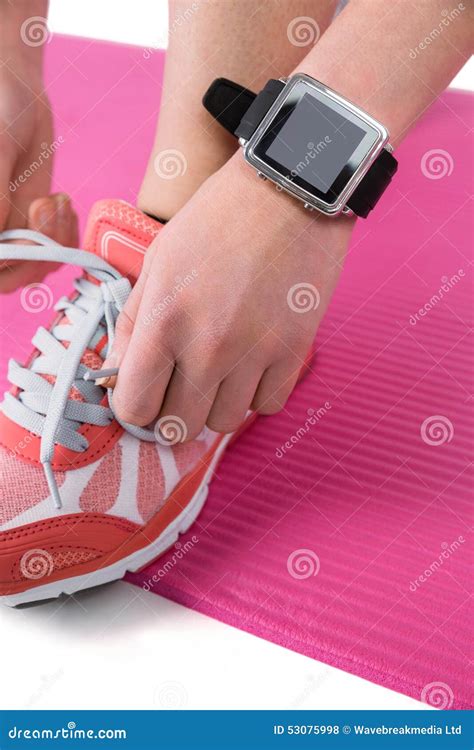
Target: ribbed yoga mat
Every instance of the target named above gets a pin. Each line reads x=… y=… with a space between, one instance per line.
x=341 y=527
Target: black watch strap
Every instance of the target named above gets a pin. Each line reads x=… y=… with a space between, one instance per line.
x=227 y=102
x=373 y=185
x=236 y=108
x=259 y=108
x=240 y=111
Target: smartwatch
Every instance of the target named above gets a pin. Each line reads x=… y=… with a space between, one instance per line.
x=309 y=141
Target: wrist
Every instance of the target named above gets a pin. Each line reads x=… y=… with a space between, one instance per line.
x=261 y=197
x=275 y=228
x=309 y=141
x=272 y=210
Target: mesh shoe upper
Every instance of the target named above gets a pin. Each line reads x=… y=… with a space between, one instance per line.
x=119 y=474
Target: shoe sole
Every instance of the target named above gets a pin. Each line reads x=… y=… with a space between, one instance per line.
x=137 y=560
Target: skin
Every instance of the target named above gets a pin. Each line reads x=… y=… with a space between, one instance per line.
x=26 y=124
x=241 y=40
x=230 y=340
x=209 y=363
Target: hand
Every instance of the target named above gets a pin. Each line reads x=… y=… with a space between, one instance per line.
x=227 y=305
x=26 y=162
x=59 y=224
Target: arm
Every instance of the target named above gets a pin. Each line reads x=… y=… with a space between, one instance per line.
x=392 y=60
x=23 y=106
x=237 y=39
x=232 y=340
x=25 y=126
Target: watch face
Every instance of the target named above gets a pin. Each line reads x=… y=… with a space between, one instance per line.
x=315 y=141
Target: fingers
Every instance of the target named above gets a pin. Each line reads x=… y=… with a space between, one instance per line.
x=144 y=358
x=275 y=387
x=188 y=400
x=125 y=325
x=189 y=386
x=234 y=398
x=31 y=173
x=179 y=363
x=195 y=403
x=53 y=216
x=149 y=369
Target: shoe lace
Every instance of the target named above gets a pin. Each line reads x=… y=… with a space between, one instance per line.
x=45 y=408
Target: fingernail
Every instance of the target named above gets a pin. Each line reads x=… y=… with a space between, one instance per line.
x=47 y=216
x=63 y=207
x=107 y=382
x=110 y=361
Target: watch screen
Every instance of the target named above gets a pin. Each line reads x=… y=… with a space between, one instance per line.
x=316 y=142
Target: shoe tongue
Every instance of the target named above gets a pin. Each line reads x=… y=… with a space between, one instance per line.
x=121 y=234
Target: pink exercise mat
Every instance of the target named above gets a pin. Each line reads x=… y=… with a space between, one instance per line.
x=341 y=527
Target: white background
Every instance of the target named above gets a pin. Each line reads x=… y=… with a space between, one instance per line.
x=142 y=22
x=119 y=647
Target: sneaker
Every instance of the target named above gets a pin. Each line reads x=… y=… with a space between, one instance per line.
x=84 y=498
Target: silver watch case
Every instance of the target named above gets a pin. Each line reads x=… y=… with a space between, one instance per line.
x=283 y=183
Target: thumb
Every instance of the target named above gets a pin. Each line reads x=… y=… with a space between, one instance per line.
x=123 y=332
x=54 y=216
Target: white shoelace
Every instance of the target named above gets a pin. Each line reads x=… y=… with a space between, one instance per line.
x=46 y=409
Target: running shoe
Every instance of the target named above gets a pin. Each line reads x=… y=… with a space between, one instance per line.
x=83 y=497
